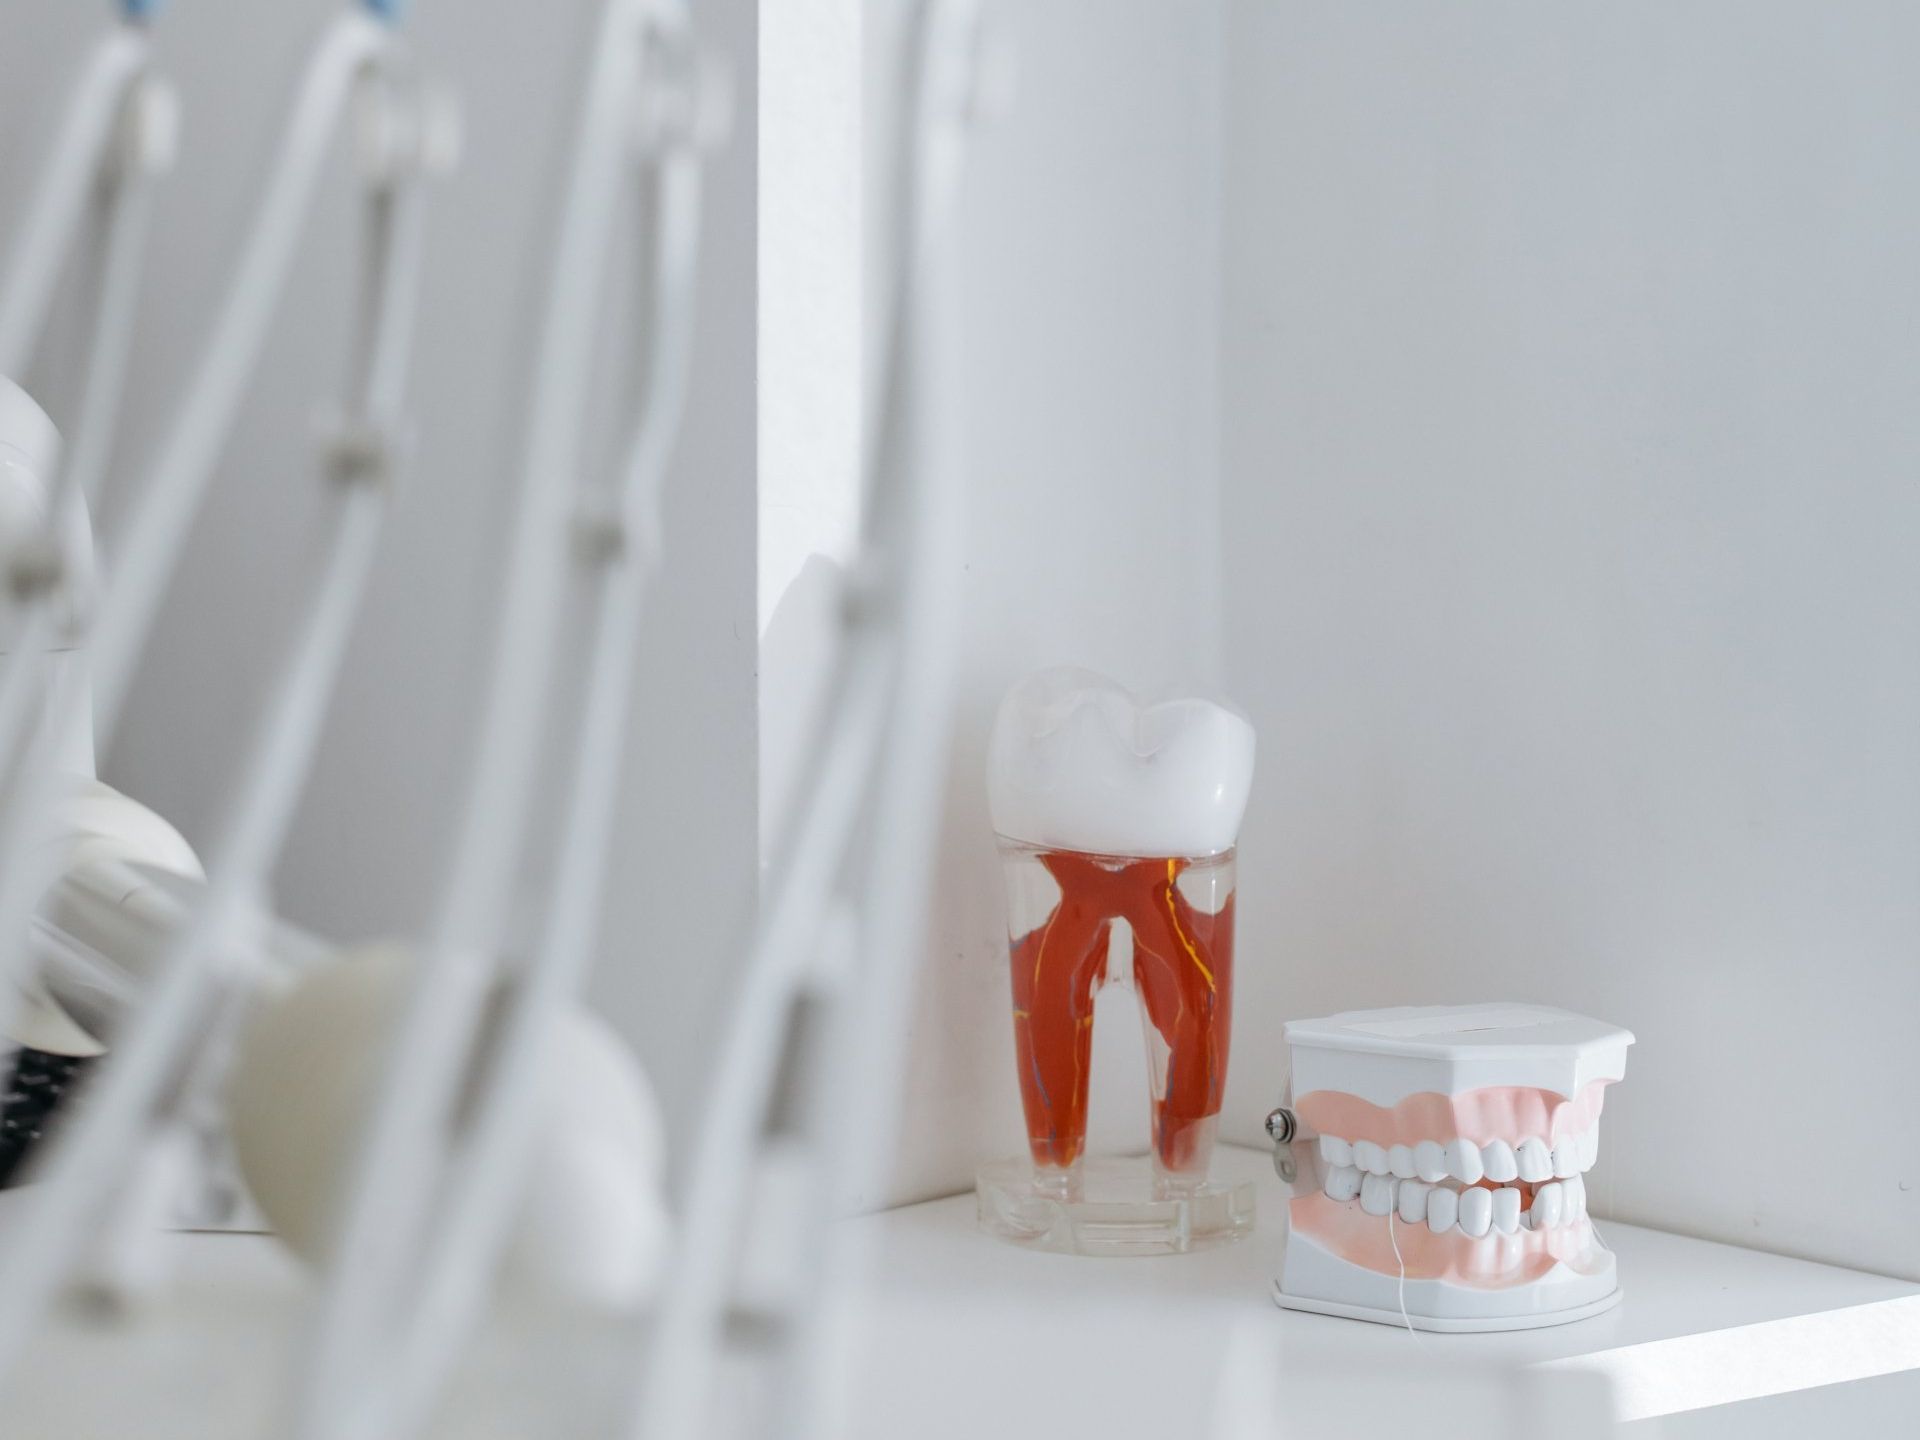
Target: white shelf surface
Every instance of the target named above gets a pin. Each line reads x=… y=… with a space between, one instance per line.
x=209 y=1361
x=968 y=1336
x=974 y=1335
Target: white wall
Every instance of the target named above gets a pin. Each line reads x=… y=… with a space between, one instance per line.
x=371 y=843
x=1084 y=278
x=1569 y=368
x=812 y=258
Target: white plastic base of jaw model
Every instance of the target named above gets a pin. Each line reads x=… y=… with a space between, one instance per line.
x=1445 y=1184
x=1439 y=1324
x=1318 y=1281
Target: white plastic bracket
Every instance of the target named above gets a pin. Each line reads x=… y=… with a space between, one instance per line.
x=685 y=98
x=405 y=132
x=148 y=143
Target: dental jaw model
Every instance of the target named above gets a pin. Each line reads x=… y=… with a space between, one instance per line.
x=1447 y=1188
x=1116 y=825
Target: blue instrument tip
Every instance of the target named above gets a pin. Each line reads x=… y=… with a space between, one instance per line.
x=141 y=9
x=388 y=10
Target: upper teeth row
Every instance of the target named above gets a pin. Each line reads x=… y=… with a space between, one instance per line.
x=1475 y=1209
x=1532 y=1160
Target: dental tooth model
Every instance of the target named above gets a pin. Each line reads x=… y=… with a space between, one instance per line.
x=1117 y=825
x=1453 y=1146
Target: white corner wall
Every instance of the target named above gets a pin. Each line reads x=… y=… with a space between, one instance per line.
x=1569 y=366
x=812 y=263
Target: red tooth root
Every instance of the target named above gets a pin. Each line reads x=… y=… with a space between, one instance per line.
x=1183 y=968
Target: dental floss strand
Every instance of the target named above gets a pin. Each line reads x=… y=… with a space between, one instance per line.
x=1394 y=1240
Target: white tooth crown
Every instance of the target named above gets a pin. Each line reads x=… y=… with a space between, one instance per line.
x=1498 y=1158
x=1534 y=1160
x=1530 y=1159
x=1076 y=762
x=1464 y=1162
x=1476 y=1211
x=1438 y=1203
x=1342 y=1182
x=1412 y=1201
x=1548 y=1206
x=1566 y=1156
x=1430 y=1161
x=1376 y=1194
x=1506 y=1210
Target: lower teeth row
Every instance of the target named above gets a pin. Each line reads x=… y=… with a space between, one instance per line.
x=1475 y=1209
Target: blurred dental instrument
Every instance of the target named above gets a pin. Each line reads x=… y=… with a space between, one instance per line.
x=428 y=1195
x=114 y=1161
x=93 y=197
x=804 y=1109
x=115 y=141
x=117 y=138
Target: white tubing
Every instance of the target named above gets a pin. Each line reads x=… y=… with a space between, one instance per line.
x=86 y=454
x=883 y=743
x=679 y=1371
x=913 y=457
x=119 y=64
x=398 y=1160
x=856 y=1119
x=486 y=1179
x=60 y=194
x=90 y=440
x=166 y=504
x=89 y=1155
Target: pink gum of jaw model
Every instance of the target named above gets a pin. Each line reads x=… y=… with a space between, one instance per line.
x=1495 y=1112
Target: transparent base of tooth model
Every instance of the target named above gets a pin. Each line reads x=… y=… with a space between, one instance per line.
x=1110 y=1206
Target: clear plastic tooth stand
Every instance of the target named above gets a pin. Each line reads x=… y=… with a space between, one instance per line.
x=1110 y=1205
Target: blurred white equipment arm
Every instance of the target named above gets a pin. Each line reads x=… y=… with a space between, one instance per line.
x=803 y=1110
x=117 y=126
x=125 y=1110
x=116 y=140
x=400 y=1303
x=167 y=502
